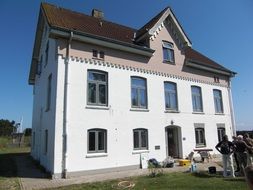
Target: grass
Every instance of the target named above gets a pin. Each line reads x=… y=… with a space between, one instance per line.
x=8 y=169
x=173 y=181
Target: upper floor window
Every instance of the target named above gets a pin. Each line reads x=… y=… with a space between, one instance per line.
x=45 y=141
x=46 y=52
x=101 y=55
x=140 y=137
x=138 y=92
x=218 y=101
x=170 y=90
x=97 y=141
x=97 y=88
x=49 y=91
x=94 y=53
x=168 y=52
x=200 y=134
x=196 y=99
x=98 y=54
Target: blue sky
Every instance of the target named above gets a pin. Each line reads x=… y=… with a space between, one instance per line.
x=222 y=30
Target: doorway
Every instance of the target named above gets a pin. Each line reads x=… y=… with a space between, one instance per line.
x=173 y=141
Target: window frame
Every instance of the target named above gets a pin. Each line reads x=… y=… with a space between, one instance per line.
x=195 y=98
x=139 y=131
x=94 y=53
x=139 y=88
x=221 y=127
x=47 y=54
x=218 y=101
x=171 y=92
x=96 y=131
x=165 y=47
x=97 y=83
x=197 y=130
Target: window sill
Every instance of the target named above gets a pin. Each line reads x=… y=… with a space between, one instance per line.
x=96 y=155
x=198 y=113
x=200 y=146
x=140 y=151
x=99 y=59
x=169 y=62
x=139 y=109
x=171 y=111
x=219 y=114
x=97 y=107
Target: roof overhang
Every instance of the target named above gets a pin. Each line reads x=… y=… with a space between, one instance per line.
x=102 y=41
x=198 y=65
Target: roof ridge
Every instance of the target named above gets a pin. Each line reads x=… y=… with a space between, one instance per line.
x=83 y=14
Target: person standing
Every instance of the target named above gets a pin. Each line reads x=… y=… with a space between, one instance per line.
x=249 y=142
x=226 y=147
x=235 y=155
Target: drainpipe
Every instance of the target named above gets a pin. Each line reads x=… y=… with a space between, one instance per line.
x=231 y=108
x=65 y=109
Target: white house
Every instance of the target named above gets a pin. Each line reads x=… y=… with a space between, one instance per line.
x=105 y=93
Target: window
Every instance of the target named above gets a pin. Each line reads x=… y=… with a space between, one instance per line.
x=138 y=92
x=47 y=49
x=97 y=88
x=140 y=137
x=46 y=141
x=49 y=91
x=168 y=52
x=39 y=65
x=97 y=141
x=196 y=99
x=200 y=135
x=216 y=79
x=33 y=141
x=221 y=131
x=101 y=55
x=218 y=101
x=94 y=53
x=170 y=90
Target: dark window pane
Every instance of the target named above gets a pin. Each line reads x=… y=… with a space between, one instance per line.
x=102 y=55
x=139 y=82
x=92 y=93
x=143 y=98
x=101 y=140
x=96 y=76
x=102 y=94
x=94 y=53
x=144 y=139
x=91 y=141
x=134 y=97
x=136 y=139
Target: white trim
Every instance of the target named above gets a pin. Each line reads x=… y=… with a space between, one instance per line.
x=140 y=151
x=95 y=155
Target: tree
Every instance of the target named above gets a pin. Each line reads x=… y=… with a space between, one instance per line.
x=7 y=127
x=28 y=132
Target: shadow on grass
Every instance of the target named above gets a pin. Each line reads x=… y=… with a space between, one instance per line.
x=207 y=175
x=235 y=179
x=20 y=165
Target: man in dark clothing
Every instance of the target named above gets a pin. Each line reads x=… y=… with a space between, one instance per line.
x=235 y=155
x=225 y=147
x=241 y=152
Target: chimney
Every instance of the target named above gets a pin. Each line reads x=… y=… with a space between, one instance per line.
x=97 y=14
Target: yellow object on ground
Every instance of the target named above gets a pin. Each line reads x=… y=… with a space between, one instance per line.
x=184 y=162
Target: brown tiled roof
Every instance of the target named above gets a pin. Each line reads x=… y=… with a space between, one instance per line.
x=195 y=56
x=70 y=20
x=150 y=24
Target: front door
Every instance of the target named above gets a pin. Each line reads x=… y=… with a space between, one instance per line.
x=172 y=136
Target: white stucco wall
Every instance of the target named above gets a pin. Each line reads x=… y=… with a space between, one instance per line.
x=119 y=121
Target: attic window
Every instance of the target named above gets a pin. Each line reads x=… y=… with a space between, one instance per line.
x=168 y=52
x=101 y=55
x=216 y=79
x=94 y=53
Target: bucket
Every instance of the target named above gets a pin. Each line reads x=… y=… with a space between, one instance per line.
x=212 y=170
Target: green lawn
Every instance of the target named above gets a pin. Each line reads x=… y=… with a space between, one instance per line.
x=8 y=170
x=173 y=181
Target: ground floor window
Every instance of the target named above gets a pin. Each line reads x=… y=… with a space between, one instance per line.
x=140 y=137
x=200 y=135
x=221 y=131
x=45 y=141
x=97 y=140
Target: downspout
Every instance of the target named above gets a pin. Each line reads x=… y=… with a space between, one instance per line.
x=65 y=109
x=231 y=107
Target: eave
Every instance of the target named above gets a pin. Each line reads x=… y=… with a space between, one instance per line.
x=200 y=66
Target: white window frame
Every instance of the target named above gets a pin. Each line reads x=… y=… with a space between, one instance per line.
x=195 y=98
x=218 y=102
x=139 y=88
x=139 y=131
x=169 y=93
x=221 y=131
x=198 y=128
x=168 y=46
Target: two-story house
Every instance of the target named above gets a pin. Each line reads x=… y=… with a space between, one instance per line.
x=106 y=93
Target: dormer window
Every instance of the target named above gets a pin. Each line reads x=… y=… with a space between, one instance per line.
x=168 y=52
